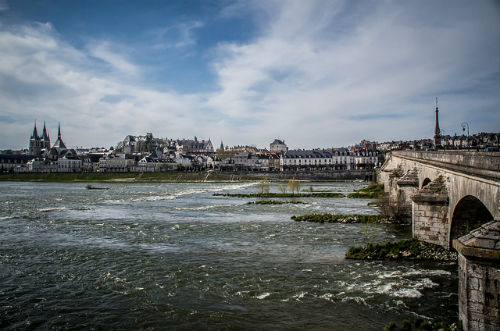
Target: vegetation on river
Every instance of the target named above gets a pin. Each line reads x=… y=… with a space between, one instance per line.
x=333 y=218
x=371 y=191
x=409 y=249
x=311 y=189
x=282 y=195
x=272 y=202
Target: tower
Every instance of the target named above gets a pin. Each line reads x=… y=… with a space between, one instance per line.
x=34 y=143
x=44 y=139
x=437 y=131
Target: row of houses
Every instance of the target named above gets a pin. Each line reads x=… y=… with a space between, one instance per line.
x=110 y=161
x=150 y=154
x=477 y=141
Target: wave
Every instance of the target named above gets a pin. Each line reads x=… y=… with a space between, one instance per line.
x=263 y=295
x=202 y=207
x=171 y=196
x=49 y=209
x=299 y=296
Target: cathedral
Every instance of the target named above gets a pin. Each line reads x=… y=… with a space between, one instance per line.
x=38 y=144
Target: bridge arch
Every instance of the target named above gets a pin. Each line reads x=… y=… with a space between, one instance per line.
x=425 y=182
x=469 y=214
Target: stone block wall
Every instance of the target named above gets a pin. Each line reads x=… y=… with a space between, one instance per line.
x=404 y=204
x=478 y=294
x=430 y=223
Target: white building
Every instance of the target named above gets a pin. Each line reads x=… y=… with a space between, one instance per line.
x=69 y=164
x=278 y=146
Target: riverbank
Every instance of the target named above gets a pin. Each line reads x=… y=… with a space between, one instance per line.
x=409 y=249
x=181 y=176
x=129 y=177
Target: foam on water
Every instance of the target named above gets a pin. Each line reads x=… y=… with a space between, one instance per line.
x=185 y=259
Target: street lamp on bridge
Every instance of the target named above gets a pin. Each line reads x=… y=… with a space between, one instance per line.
x=465 y=124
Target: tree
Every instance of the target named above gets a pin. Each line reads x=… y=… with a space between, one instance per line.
x=282 y=188
x=263 y=186
x=293 y=185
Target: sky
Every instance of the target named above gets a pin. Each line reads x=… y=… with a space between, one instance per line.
x=316 y=74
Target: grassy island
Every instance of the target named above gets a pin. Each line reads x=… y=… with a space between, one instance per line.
x=272 y=202
x=409 y=249
x=281 y=195
x=372 y=191
x=333 y=218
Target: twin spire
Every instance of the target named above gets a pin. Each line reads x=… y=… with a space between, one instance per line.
x=37 y=143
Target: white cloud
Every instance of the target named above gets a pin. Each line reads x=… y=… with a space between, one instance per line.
x=313 y=81
x=107 y=52
x=43 y=78
x=319 y=74
x=178 y=35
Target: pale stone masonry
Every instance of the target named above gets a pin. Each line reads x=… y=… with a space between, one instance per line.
x=430 y=213
x=407 y=187
x=479 y=278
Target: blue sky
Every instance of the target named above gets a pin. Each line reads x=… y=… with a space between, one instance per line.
x=314 y=73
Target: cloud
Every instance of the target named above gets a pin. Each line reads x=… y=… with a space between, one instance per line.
x=313 y=76
x=317 y=74
x=178 y=35
x=44 y=78
x=105 y=51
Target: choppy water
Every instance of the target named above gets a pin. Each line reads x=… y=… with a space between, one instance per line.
x=173 y=256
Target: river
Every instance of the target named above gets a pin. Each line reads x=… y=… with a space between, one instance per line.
x=173 y=256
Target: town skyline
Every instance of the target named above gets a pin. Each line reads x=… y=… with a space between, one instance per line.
x=45 y=128
x=316 y=74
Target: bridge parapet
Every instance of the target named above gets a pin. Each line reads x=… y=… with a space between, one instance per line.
x=484 y=164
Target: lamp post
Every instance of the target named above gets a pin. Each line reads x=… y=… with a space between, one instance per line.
x=465 y=124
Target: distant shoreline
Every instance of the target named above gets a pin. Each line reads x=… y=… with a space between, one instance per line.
x=180 y=177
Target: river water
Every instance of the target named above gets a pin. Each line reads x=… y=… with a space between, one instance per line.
x=173 y=256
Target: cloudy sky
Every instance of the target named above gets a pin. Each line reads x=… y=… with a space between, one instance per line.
x=314 y=73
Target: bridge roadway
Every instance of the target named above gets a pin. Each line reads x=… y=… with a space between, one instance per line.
x=447 y=194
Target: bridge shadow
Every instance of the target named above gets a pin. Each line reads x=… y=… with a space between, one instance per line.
x=469 y=214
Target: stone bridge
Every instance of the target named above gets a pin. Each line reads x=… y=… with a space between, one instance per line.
x=447 y=194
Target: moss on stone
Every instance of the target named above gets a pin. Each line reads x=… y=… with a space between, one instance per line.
x=409 y=249
x=334 y=218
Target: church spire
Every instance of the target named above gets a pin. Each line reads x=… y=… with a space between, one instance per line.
x=45 y=136
x=437 y=130
x=59 y=142
x=34 y=135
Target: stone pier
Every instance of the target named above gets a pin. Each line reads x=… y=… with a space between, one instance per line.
x=407 y=186
x=479 y=278
x=430 y=213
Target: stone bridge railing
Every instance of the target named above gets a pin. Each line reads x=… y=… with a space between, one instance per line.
x=439 y=191
x=482 y=164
